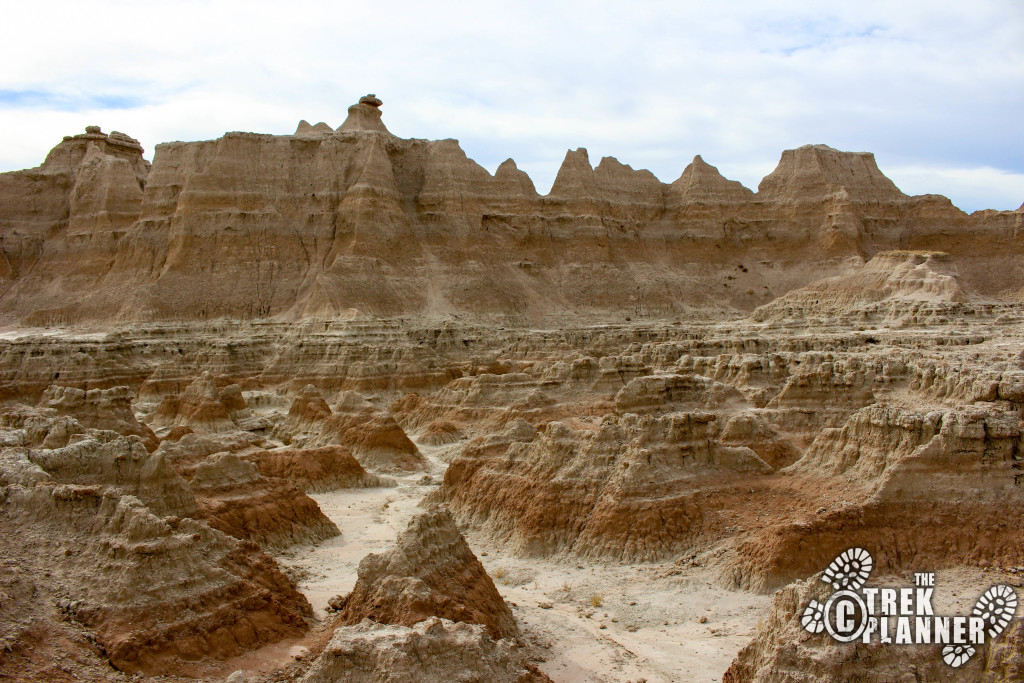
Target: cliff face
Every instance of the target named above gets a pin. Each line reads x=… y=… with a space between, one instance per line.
x=62 y=223
x=320 y=222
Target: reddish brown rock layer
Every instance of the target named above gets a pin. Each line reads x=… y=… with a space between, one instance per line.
x=234 y=497
x=372 y=434
x=316 y=469
x=430 y=572
x=159 y=595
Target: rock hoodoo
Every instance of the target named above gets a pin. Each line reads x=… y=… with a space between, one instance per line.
x=365 y=116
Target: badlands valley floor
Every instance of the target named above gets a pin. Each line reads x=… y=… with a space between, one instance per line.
x=605 y=503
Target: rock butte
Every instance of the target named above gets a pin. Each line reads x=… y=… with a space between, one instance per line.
x=501 y=429
x=323 y=221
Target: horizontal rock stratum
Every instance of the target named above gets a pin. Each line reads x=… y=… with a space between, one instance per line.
x=325 y=221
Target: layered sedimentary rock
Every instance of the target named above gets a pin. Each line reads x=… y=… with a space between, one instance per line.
x=634 y=488
x=157 y=590
x=782 y=651
x=940 y=489
x=234 y=497
x=737 y=384
x=431 y=572
x=434 y=650
x=892 y=284
x=201 y=407
x=322 y=224
x=69 y=215
x=757 y=448
x=316 y=469
x=109 y=409
x=373 y=435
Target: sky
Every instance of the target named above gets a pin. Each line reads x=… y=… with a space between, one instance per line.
x=935 y=89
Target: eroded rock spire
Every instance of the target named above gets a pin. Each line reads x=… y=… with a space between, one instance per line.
x=365 y=115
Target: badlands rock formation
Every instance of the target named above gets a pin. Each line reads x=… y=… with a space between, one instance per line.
x=581 y=435
x=324 y=222
x=783 y=651
x=434 y=650
x=374 y=436
x=108 y=535
x=431 y=572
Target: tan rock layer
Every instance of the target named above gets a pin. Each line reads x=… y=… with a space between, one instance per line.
x=431 y=572
x=318 y=225
x=316 y=469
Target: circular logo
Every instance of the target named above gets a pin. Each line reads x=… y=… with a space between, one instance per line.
x=846 y=616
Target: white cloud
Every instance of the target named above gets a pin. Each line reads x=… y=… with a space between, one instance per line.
x=977 y=187
x=929 y=85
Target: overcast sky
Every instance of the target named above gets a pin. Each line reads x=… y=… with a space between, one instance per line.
x=935 y=89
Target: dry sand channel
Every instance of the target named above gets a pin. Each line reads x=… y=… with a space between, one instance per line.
x=593 y=622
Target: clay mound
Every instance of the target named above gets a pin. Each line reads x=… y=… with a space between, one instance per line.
x=100 y=409
x=157 y=595
x=106 y=458
x=433 y=650
x=305 y=129
x=316 y=469
x=308 y=407
x=701 y=183
x=441 y=433
x=484 y=401
x=201 y=407
x=942 y=455
x=887 y=285
x=45 y=431
x=191 y=449
x=808 y=172
x=430 y=572
x=372 y=434
x=898 y=534
x=783 y=652
x=364 y=116
x=235 y=498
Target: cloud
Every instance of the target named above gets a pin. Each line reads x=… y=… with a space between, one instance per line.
x=56 y=101
x=981 y=187
x=923 y=85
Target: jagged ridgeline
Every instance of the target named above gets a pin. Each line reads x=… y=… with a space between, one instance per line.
x=327 y=222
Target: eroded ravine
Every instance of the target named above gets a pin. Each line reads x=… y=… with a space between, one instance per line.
x=599 y=622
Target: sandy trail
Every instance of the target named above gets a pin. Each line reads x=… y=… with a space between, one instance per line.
x=593 y=622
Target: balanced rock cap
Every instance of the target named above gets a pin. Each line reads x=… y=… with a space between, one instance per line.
x=365 y=116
